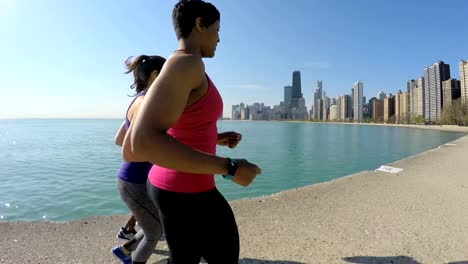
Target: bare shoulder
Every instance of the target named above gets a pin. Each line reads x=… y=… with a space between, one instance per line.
x=187 y=64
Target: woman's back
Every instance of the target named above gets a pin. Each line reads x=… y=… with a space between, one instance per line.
x=134 y=172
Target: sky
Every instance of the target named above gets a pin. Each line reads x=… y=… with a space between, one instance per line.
x=65 y=59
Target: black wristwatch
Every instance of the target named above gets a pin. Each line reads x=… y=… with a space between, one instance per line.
x=232 y=168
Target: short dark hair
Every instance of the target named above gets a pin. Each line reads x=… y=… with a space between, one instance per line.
x=142 y=67
x=186 y=12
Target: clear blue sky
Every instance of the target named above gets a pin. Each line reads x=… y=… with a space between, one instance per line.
x=65 y=58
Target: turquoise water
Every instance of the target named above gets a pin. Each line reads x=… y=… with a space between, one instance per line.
x=60 y=170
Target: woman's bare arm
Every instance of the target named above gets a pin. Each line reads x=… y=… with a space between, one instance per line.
x=119 y=137
x=162 y=107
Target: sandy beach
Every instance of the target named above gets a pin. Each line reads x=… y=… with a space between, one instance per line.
x=419 y=215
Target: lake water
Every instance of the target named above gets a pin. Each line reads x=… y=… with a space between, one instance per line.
x=65 y=169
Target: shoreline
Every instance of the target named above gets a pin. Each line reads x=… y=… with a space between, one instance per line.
x=415 y=216
x=446 y=128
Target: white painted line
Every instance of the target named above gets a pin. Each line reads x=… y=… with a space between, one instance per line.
x=389 y=169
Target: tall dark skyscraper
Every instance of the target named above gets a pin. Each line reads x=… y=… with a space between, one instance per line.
x=296 y=85
x=296 y=89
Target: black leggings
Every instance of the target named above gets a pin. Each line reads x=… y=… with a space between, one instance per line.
x=197 y=225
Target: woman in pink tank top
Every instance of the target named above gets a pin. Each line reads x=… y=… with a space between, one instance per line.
x=176 y=131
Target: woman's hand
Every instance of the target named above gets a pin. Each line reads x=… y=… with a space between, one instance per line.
x=246 y=173
x=229 y=139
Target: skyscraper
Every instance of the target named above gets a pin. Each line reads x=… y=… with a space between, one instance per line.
x=378 y=110
x=397 y=106
x=287 y=95
x=296 y=90
x=357 y=101
x=317 y=104
x=319 y=114
x=352 y=104
x=464 y=82
x=334 y=113
x=401 y=107
x=338 y=105
x=236 y=113
x=381 y=95
x=296 y=85
x=389 y=109
x=410 y=85
x=300 y=112
x=345 y=107
x=417 y=99
x=451 y=90
x=325 y=107
x=371 y=107
x=434 y=75
x=246 y=114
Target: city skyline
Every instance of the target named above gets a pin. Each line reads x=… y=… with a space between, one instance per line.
x=423 y=98
x=410 y=83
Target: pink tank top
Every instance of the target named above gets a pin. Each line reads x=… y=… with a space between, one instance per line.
x=197 y=129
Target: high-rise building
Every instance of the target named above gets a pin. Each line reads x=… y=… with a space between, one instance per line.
x=325 y=108
x=236 y=112
x=378 y=110
x=317 y=104
x=397 y=106
x=434 y=75
x=256 y=111
x=451 y=89
x=417 y=99
x=404 y=117
x=464 y=83
x=357 y=101
x=371 y=107
x=319 y=114
x=350 y=107
x=352 y=104
x=245 y=113
x=296 y=85
x=345 y=107
x=334 y=113
x=338 y=105
x=242 y=110
x=401 y=107
x=410 y=85
x=389 y=109
x=381 y=95
x=300 y=112
x=287 y=95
